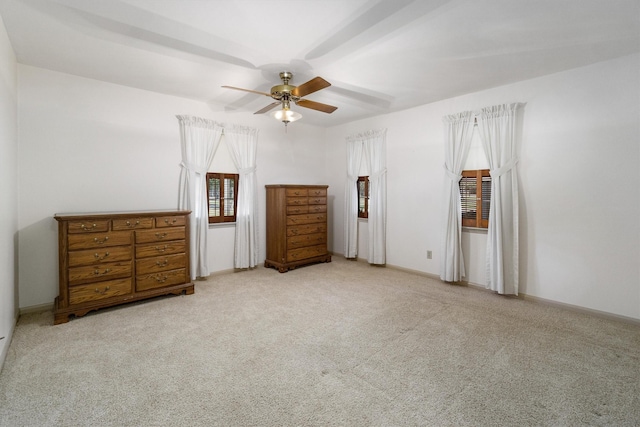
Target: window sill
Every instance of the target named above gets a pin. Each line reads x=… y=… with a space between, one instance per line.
x=477 y=230
x=222 y=224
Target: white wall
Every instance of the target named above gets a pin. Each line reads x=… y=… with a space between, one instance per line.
x=8 y=192
x=579 y=180
x=88 y=146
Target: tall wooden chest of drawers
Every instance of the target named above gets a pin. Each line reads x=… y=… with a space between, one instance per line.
x=113 y=258
x=296 y=226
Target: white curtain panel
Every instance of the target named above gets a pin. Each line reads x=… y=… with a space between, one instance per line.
x=243 y=144
x=458 y=130
x=355 y=150
x=497 y=127
x=375 y=149
x=199 y=140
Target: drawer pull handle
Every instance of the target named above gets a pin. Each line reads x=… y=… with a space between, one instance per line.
x=133 y=225
x=85 y=228
x=162 y=263
x=99 y=258
x=95 y=239
x=161 y=279
x=173 y=220
x=98 y=291
x=161 y=249
x=161 y=235
x=97 y=272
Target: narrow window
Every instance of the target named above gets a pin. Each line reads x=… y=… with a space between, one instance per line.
x=363 y=197
x=222 y=194
x=475 y=198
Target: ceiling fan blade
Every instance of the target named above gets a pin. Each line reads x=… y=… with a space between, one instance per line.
x=267 y=108
x=247 y=90
x=325 y=108
x=311 y=86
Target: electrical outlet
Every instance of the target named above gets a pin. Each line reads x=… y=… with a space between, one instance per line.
x=429 y=254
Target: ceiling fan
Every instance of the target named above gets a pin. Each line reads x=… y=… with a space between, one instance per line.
x=285 y=93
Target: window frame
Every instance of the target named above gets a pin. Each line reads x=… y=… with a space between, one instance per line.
x=364 y=179
x=478 y=221
x=218 y=219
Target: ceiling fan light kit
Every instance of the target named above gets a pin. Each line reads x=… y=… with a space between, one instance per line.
x=285 y=93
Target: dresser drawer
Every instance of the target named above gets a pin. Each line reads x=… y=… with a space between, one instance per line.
x=161 y=263
x=306 y=219
x=171 y=221
x=132 y=223
x=100 y=290
x=315 y=192
x=95 y=273
x=296 y=201
x=88 y=226
x=304 y=253
x=306 y=229
x=152 y=236
x=99 y=256
x=317 y=208
x=317 y=200
x=297 y=192
x=156 y=249
x=161 y=279
x=304 y=240
x=99 y=240
x=293 y=210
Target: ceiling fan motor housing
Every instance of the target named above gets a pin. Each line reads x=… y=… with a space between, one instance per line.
x=284 y=90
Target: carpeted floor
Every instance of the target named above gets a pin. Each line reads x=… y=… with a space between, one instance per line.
x=337 y=344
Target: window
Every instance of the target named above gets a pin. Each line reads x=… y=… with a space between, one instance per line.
x=222 y=193
x=475 y=204
x=363 y=197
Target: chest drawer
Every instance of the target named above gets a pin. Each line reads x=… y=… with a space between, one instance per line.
x=99 y=240
x=318 y=192
x=158 y=280
x=317 y=208
x=308 y=252
x=297 y=192
x=294 y=210
x=96 y=273
x=306 y=240
x=317 y=200
x=296 y=201
x=100 y=255
x=306 y=229
x=161 y=263
x=171 y=221
x=156 y=249
x=132 y=223
x=165 y=234
x=306 y=219
x=88 y=226
x=97 y=291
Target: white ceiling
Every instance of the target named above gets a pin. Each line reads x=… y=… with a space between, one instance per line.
x=379 y=55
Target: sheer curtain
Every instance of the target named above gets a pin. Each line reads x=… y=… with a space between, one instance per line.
x=243 y=143
x=199 y=140
x=354 y=159
x=458 y=133
x=497 y=127
x=376 y=152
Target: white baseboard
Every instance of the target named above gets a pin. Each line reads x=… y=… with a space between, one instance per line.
x=36 y=308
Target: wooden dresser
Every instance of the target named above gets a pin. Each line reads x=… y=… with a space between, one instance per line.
x=114 y=258
x=296 y=226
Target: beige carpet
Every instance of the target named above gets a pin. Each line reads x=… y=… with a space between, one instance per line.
x=338 y=344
